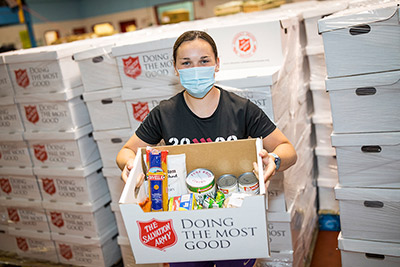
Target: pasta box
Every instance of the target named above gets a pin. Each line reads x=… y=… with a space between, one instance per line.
x=212 y=234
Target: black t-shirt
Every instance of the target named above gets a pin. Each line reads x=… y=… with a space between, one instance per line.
x=235 y=118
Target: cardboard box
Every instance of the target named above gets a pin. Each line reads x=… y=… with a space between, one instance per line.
x=326 y=195
x=141 y=101
x=365 y=253
x=73 y=149
x=321 y=100
x=120 y=223
x=6 y=88
x=146 y=64
x=278 y=259
x=323 y=129
x=115 y=182
x=3 y=216
x=352 y=98
x=373 y=29
x=34 y=245
x=368 y=159
x=79 y=185
x=84 y=220
x=369 y=213
x=212 y=234
x=316 y=60
x=110 y=143
x=7 y=240
x=10 y=117
x=45 y=69
x=26 y=214
x=127 y=254
x=258 y=85
x=98 y=68
x=101 y=250
x=19 y=183
x=60 y=111
x=14 y=150
x=107 y=110
x=327 y=162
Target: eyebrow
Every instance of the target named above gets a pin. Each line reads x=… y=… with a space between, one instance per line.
x=187 y=58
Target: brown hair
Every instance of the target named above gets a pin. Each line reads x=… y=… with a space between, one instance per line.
x=193 y=35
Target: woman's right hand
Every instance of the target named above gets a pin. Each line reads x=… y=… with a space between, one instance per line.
x=127 y=169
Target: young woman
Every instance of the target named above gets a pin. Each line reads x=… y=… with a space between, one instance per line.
x=205 y=112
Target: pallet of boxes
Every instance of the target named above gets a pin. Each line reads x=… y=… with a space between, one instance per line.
x=363 y=81
x=69 y=219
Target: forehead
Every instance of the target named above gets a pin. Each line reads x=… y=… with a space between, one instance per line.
x=197 y=45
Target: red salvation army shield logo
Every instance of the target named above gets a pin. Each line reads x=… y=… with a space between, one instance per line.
x=65 y=251
x=31 y=114
x=22 y=244
x=132 y=67
x=22 y=78
x=13 y=214
x=140 y=110
x=56 y=219
x=40 y=152
x=244 y=44
x=157 y=234
x=48 y=186
x=5 y=185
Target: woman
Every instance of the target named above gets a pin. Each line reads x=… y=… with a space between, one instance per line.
x=204 y=112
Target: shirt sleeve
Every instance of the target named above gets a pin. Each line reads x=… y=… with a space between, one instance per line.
x=258 y=123
x=150 y=129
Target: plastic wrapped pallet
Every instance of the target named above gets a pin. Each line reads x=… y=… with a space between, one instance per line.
x=323 y=130
x=373 y=29
x=327 y=162
x=352 y=98
x=10 y=117
x=365 y=253
x=16 y=182
x=368 y=159
x=369 y=213
x=52 y=112
x=316 y=59
x=107 y=110
x=321 y=100
x=14 y=150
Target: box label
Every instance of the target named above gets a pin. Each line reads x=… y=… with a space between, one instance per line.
x=81 y=255
x=65 y=189
x=42 y=76
x=28 y=219
x=14 y=154
x=55 y=153
x=20 y=187
x=157 y=234
x=73 y=223
x=46 y=115
x=9 y=118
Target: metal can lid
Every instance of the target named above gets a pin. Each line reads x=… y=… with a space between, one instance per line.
x=226 y=180
x=199 y=178
x=247 y=178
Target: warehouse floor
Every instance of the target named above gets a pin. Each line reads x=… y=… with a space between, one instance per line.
x=326 y=253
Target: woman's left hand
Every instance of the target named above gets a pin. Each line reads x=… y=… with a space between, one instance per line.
x=269 y=166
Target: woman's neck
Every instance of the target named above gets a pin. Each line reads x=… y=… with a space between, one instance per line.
x=206 y=106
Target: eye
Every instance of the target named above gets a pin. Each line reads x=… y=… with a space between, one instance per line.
x=205 y=61
x=185 y=63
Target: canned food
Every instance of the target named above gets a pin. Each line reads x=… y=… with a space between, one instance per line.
x=201 y=182
x=228 y=184
x=248 y=183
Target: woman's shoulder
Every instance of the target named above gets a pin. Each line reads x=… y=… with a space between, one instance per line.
x=171 y=102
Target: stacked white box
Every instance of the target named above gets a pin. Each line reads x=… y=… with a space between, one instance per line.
x=10 y=117
x=14 y=150
x=120 y=222
x=316 y=61
x=101 y=250
x=6 y=88
x=323 y=130
x=326 y=195
x=7 y=240
x=19 y=183
x=115 y=182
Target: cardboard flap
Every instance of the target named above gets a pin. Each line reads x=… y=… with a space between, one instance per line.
x=16 y=171
x=94 y=52
x=102 y=94
x=60 y=135
x=372 y=194
x=29 y=234
x=61 y=96
x=364 y=139
x=69 y=172
x=82 y=207
x=7 y=100
x=86 y=241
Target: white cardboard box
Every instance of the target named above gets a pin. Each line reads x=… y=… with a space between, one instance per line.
x=79 y=185
x=327 y=162
x=107 y=110
x=141 y=101
x=115 y=182
x=26 y=214
x=110 y=143
x=102 y=250
x=14 y=150
x=369 y=213
x=364 y=253
x=316 y=60
x=326 y=195
x=45 y=69
x=127 y=254
x=18 y=182
x=10 y=117
x=98 y=68
x=372 y=30
x=7 y=240
x=64 y=149
x=365 y=103
x=34 y=245
x=368 y=159
x=260 y=86
x=84 y=220
x=59 y=111
x=120 y=222
x=146 y=64
x=6 y=88
x=323 y=130
x=321 y=100
x=213 y=234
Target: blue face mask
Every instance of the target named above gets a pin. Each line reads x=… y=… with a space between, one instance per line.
x=197 y=81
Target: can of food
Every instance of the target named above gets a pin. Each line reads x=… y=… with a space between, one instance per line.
x=228 y=184
x=248 y=183
x=201 y=182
